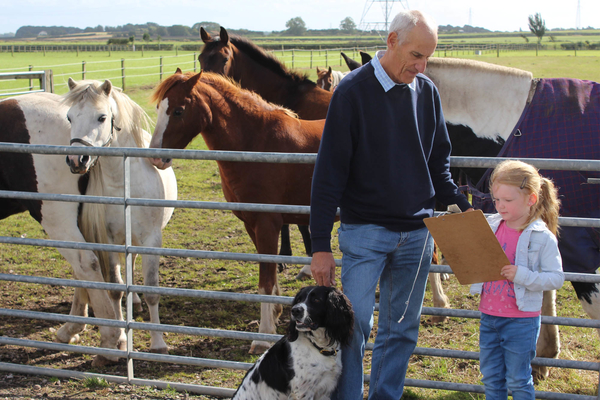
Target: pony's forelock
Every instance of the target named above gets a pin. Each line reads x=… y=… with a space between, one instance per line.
x=129 y=115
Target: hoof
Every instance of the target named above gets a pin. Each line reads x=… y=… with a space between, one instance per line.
x=101 y=361
x=444 y=276
x=162 y=350
x=281 y=267
x=438 y=319
x=72 y=340
x=304 y=273
x=539 y=373
x=258 y=347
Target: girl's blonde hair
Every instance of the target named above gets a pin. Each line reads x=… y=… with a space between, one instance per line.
x=527 y=178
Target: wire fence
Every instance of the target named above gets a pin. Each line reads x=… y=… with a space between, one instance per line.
x=127 y=68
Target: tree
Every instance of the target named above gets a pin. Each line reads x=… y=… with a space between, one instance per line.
x=296 y=27
x=146 y=37
x=537 y=26
x=347 y=25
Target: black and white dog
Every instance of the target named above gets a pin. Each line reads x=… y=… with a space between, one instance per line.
x=306 y=363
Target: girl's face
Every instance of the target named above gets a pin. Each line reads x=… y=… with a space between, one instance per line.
x=513 y=204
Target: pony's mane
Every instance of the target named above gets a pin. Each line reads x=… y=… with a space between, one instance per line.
x=223 y=85
x=267 y=60
x=459 y=63
x=129 y=116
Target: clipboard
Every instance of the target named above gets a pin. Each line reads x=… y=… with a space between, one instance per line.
x=469 y=246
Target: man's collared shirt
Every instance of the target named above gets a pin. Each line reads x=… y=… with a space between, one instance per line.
x=386 y=82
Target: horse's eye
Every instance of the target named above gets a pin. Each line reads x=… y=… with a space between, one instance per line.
x=178 y=111
x=102 y=118
x=68 y=119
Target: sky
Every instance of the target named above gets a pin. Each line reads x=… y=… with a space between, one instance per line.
x=271 y=15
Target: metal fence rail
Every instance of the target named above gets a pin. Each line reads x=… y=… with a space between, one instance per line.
x=129 y=288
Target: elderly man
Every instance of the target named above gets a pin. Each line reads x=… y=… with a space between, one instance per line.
x=384 y=160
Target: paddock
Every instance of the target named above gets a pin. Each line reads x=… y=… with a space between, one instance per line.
x=129 y=288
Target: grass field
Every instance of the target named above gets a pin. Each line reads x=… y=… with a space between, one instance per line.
x=221 y=231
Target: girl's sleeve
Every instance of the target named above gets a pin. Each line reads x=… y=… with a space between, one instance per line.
x=550 y=276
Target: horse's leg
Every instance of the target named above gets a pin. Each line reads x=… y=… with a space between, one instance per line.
x=439 y=297
x=150 y=264
x=589 y=297
x=548 y=344
x=435 y=282
x=85 y=267
x=69 y=332
x=305 y=271
x=286 y=246
x=265 y=233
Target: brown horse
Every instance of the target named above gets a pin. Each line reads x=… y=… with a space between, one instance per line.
x=256 y=70
x=235 y=119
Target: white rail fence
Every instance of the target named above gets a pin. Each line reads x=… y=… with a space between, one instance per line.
x=129 y=324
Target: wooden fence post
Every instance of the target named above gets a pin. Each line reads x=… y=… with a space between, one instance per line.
x=161 y=69
x=83 y=70
x=195 y=60
x=326 y=58
x=498 y=50
x=123 y=73
x=311 y=59
x=49 y=81
x=31 y=80
x=293 y=55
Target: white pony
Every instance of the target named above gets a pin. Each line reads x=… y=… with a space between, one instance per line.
x=101 y=115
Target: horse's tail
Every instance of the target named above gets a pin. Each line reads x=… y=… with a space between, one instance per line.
x=93 y=219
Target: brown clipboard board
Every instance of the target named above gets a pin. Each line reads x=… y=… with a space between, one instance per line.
x=469 y=246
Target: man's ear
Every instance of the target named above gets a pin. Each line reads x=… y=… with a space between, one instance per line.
x=392 y=39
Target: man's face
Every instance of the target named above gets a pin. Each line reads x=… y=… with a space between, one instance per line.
x=410 y=57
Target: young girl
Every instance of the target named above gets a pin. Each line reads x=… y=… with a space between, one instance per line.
x=526 y=226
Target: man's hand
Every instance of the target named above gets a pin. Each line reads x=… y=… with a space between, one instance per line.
x=322 y=268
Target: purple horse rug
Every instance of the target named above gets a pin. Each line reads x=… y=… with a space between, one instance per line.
x=561 y=121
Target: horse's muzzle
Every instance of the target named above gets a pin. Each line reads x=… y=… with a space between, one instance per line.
x=161 y=163
x=78 y=164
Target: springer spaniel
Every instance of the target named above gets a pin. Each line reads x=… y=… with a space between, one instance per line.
x=306 y=363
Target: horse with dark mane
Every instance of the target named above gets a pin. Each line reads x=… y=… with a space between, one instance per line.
x=256 y=70
x=235 y=119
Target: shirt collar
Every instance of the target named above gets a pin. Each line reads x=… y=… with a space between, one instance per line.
x=386 y=82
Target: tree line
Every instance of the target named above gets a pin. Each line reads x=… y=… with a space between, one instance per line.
x=152 y=31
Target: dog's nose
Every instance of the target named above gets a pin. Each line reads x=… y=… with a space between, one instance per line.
x=297 y=312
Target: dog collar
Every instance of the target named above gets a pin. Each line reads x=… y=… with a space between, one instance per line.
x=325 y=352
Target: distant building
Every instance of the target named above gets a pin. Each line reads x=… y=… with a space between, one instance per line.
x=42 y=34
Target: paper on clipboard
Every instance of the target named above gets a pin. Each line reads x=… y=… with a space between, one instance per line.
x=469 y=246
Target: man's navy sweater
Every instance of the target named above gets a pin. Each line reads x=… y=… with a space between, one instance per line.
x=384 y=157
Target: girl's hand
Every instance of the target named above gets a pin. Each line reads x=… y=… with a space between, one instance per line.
x=509 y=272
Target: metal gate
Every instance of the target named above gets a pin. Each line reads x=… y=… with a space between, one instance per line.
x=128 y=288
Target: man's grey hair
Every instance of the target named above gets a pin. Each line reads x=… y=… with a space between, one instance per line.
x=406 y=20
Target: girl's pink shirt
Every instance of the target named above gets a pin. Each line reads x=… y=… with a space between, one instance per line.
x=498 y=297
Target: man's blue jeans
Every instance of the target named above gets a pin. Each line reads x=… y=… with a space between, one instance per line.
x=507 y=346
x=373 y=254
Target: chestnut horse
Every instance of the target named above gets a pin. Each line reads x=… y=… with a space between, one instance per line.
x=256 y=70
x=235 y=119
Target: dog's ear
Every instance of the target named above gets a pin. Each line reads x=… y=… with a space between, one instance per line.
x=340 y=317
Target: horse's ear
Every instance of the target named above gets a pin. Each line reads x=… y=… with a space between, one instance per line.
x=318 y=70
x=365 y=57
x=72 y=84
x=194 y=79
x=106 y=87
x=330 y=70
x=224 y=36
x=178 y=71
x=205 y=35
